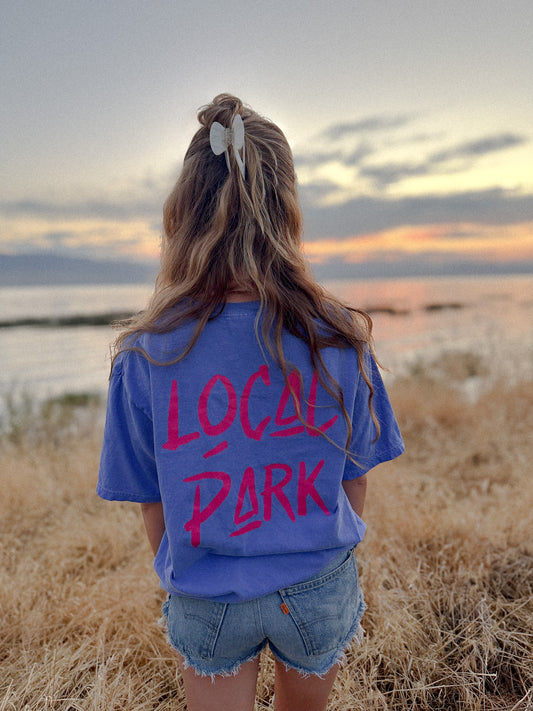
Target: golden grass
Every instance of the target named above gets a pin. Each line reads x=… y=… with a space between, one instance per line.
x=447 y=569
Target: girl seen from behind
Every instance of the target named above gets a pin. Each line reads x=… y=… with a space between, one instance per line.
x=245 y=408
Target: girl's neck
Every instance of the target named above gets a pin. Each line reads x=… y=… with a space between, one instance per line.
x=238 y=296
x=241 y=297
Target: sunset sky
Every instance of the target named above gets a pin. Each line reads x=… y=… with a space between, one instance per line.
x=411 y=122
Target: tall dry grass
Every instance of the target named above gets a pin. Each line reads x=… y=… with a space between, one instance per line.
x=447 y=566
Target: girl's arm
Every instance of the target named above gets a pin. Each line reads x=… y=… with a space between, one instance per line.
x=154 y=523
x=355 y=490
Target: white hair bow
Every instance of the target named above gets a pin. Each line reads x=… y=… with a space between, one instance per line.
x=221 y=138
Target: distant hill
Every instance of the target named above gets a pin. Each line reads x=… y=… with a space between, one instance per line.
x=421 y=267
x=47 y=269
x=44 y=269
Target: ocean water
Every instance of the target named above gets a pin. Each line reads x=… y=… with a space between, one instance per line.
x=490 y=316
x=415 y=320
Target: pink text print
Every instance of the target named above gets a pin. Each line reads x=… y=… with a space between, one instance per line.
x=275 y=480
x=236 y=408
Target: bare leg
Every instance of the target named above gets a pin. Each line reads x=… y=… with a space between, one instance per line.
x=297 y=693
x=226 y=693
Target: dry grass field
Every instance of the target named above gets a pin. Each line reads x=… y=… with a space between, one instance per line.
x=447 y=565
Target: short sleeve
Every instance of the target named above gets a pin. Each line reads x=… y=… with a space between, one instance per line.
x=128 y=469
x=365 y=448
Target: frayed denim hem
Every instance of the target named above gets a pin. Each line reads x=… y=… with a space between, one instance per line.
x=337 y=657
x=229 y=670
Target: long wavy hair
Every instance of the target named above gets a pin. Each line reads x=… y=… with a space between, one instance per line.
x=224 y=234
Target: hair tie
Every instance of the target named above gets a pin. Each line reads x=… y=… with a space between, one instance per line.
x=221 y=138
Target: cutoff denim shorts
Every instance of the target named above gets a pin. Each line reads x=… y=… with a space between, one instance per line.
x=307 y=626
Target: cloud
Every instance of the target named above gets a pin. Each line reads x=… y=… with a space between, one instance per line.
x=393 y=265
x=112 y=209
x=368 y=214
x=480 y=147
x=357 y=156
x=317 y=157
x=384 y=175
x=417 y=138
x=318 y=190
x=86 y=236
x=349 y=158
x=371 y=124
x=140 y=198
x=58 y=237
x=343 y=132
x=441 y=162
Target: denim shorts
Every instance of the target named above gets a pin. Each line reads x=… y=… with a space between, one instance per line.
x=307 y=626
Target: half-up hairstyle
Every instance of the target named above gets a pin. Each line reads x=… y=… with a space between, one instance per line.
x=223 y=234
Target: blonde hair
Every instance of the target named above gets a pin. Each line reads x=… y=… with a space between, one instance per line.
x=223 y=233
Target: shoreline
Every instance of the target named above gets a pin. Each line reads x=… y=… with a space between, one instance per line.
x=108 y=318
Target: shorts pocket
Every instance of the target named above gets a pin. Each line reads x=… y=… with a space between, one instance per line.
x=194 y=624
x=325 y=608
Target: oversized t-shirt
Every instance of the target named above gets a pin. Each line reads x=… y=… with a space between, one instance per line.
x=252 y=496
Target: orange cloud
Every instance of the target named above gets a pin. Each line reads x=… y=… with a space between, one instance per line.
x=132 y=239
x=496 y=242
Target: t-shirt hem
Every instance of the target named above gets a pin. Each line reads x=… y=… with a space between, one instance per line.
x=110 y=495
x=388 y=456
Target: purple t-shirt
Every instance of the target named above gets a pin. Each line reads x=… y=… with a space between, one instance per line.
x=252 y=497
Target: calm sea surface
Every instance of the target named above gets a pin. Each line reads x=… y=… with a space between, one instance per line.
x=490 y=316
